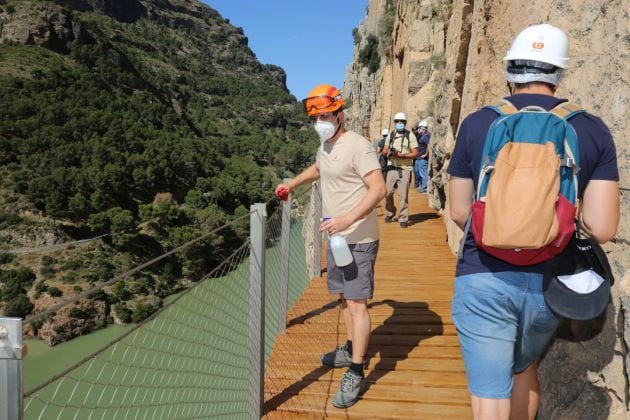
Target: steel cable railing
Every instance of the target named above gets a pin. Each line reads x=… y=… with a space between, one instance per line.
x=178 y=364
x=193 y=358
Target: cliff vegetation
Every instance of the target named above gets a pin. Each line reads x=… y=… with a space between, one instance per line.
x=148 y=122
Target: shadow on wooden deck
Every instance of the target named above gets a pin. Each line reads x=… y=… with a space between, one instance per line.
x=415 y=368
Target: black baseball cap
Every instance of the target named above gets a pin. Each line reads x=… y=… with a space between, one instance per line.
x=576 y=283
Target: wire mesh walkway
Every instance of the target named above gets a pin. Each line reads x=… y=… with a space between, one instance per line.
x=415 y=368
x=199 y=356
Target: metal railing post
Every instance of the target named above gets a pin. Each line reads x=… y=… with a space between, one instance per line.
x=257 y=309
x=11 y=354
x=317 y=236
x=285 y=249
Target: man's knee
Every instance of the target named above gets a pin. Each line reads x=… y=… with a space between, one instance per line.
x=357 y=306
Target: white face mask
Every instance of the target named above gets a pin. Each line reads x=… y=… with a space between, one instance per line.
x=325 y=130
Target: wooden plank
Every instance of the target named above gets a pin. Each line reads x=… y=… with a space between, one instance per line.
x=304 y=312
x=375 y=409
x=417 y=329
x=390 y=363
x=382 y=318
x=398 y=377
x=414 y=371
x=323 y=301
x=287 y=349
x=376 y=392
x=333 y=339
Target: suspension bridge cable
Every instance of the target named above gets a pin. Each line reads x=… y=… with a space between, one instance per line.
x=189 y=359
x=139 y=325
x=127 y=273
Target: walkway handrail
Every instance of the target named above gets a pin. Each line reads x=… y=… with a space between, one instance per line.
x=187 y=345
x=257 y=309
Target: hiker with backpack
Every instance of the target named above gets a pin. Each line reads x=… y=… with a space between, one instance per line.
x=382 y=159
x=401 y=148
x=518 y=170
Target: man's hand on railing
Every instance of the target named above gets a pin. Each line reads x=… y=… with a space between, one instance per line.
x=282 y=192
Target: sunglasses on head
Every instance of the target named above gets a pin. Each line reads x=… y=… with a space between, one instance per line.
x=319 y=103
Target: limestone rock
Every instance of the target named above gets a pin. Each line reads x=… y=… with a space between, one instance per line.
x=48 y=25
x=445 y=61
x=73 y=322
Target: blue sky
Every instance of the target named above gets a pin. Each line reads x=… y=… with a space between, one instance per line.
x=310 y=40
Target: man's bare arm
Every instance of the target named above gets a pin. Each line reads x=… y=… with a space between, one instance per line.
x=308 y=175
x=411 y=155
x=460 y=194
x=599 y=213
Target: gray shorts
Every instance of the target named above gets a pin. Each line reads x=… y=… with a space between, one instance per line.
x=356 y=280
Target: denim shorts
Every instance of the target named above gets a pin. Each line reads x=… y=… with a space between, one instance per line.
x=503 y=325
x=356 y=280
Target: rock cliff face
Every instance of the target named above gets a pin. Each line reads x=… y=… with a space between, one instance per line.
x=442 y=60
x=47 y=25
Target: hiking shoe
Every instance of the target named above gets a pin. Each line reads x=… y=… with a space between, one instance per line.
x=352 y=385
x=403 y=225
x=339 y=357
x=388 y=219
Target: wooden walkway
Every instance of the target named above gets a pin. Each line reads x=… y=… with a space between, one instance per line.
x=415 y=367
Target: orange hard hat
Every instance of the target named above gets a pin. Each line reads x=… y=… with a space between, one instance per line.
x=323 y=98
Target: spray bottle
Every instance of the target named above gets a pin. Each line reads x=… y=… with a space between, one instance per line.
x=339 y=248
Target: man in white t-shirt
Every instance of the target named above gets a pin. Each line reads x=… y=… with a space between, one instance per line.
x=352 y=186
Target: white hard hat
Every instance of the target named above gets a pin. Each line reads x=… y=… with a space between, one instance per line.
x=400 y=116
x=423 y=123
x=543 y=43
x=385 y=132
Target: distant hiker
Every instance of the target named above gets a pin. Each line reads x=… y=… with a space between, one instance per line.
x=401 y=147
x=352 y=187
x=382 y=159
x=502 y=320
x=421 y=162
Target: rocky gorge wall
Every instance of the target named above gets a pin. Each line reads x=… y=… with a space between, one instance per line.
x=442 y=60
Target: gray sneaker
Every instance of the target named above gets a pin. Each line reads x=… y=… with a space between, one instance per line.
x=352 y=385
x=339 y=357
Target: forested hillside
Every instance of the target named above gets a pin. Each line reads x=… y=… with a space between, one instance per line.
x=151 y=121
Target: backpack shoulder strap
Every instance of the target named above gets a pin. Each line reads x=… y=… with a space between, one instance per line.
x=402 y=141
x=405 y=136
x=567 y=110
x=571 y=156
x=502 y=107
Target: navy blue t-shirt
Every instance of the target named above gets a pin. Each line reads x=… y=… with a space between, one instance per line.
x=598 y=160
x=423 y=143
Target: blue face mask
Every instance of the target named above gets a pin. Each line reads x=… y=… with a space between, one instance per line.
x=400 y=127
